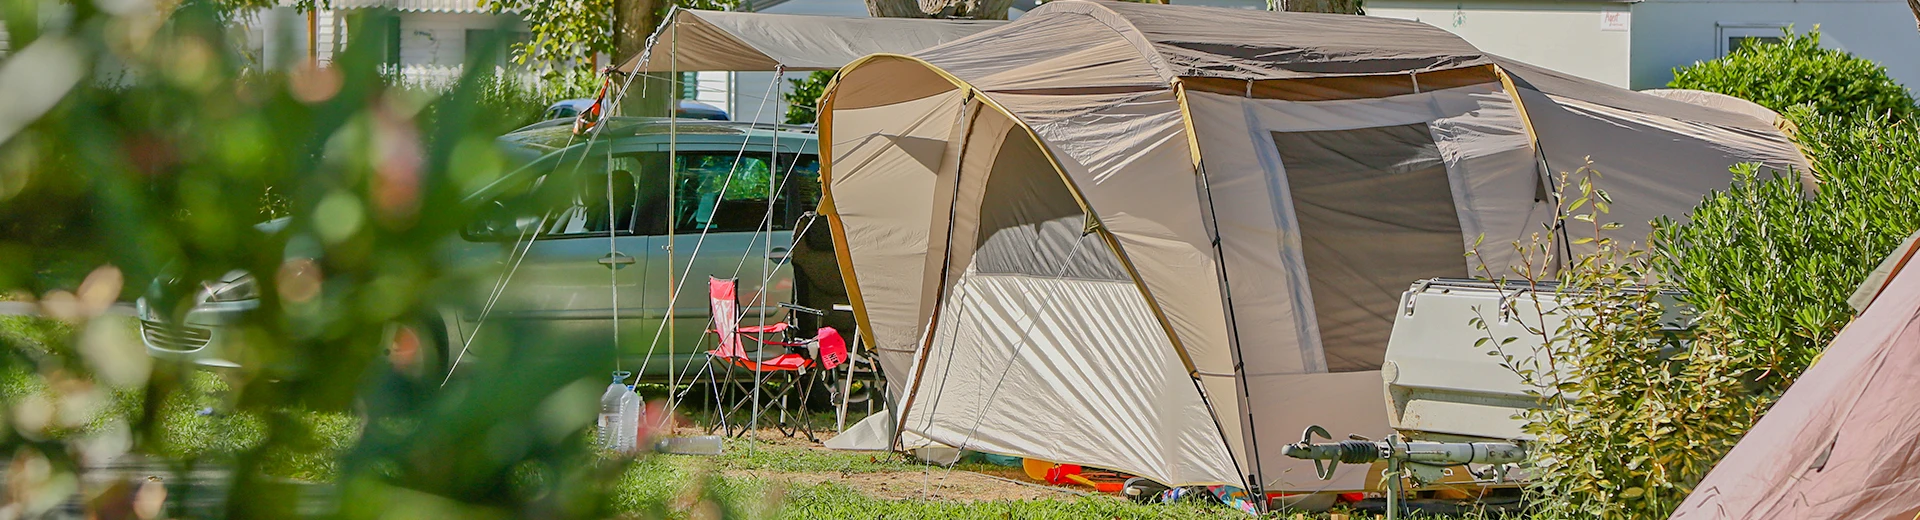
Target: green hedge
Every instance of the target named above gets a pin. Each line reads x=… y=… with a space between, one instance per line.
x=1797 y=71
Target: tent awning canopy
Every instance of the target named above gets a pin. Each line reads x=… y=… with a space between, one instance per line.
x=697 y=40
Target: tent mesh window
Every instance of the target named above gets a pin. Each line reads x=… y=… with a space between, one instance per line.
x=1375 y=213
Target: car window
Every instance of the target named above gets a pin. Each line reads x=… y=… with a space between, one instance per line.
x=594 y=210
x=573 y=203
x=803 y=183
x=723 y=191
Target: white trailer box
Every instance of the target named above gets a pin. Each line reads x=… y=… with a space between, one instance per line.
x=1443 y=383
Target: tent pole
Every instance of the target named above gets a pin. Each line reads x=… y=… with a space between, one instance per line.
x=673 y=183
x=1256 y=480
x=1546 y=172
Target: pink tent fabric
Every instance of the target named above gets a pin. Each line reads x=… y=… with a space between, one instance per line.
x=1844 y=442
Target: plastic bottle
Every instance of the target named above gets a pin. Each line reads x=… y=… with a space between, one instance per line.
x=629 y=421
x=610 y=409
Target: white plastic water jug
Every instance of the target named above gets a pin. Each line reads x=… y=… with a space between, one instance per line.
x=629 y=421
x=610 y=433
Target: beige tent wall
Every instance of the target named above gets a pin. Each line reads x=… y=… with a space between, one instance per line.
x=1153 y=216
x=1494 y=190
x=885 y=160
x=1092 y=90
x=1044 y=346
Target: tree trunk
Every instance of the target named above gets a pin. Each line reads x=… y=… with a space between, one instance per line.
x=633 y=22
x=964 y=9
x=1329 y=6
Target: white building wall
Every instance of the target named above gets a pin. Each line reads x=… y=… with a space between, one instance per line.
x=750 y=99
x=1577 y=38
x=1677 y=33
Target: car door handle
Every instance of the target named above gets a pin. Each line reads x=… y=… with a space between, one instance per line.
x=616 y=260
x=778 y=254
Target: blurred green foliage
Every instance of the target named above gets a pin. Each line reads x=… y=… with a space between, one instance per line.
x=138 y=154
x=1798 y=71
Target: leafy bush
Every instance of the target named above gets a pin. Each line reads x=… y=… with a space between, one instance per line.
x=155 y=178
x=803 y=100
x=1630 y=414
x=1798 y=71
x=1784 y=262
x=520 y=99
x=1766 y=271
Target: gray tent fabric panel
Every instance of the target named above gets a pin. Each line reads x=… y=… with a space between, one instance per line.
x=1031 y=217
x=1554 y=83
x=1290 y=45
x=1346 y=402
x=1492 y=168
x=1375 y=210
x=1051 y=50
x=1650 y=165
x=1216 y=43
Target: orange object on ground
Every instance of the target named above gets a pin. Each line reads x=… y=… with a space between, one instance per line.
x=1103 y=487
x=1036 y=469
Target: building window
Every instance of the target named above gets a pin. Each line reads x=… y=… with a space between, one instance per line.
x=1733 y=37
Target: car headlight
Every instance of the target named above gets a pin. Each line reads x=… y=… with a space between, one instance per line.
x=233 y=287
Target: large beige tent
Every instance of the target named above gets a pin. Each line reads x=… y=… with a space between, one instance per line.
x=1841 y=443
x=1165 y=240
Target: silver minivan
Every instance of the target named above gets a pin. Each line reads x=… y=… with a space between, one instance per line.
x=575 y=267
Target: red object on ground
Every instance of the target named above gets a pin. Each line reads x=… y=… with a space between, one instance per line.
x=1058 y=475
x=1352 y=497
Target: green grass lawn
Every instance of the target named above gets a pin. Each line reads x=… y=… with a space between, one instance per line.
x=752 y=479
x=749 y=480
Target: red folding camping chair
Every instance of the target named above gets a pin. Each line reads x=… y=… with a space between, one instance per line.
x=784 y=382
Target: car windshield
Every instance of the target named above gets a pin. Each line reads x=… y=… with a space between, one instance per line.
x=719 y=191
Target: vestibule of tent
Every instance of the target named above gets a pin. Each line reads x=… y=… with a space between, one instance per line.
x=1164 y=240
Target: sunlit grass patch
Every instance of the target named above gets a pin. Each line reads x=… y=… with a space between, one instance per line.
x=197 y=423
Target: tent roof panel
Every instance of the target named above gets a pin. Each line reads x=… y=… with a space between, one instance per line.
x=1255 y=45
x=729 y=41
x=1239 y=44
